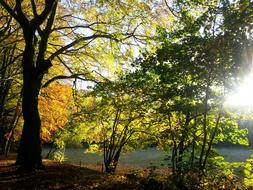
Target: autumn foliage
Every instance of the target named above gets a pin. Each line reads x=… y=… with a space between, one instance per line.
x=55 y=104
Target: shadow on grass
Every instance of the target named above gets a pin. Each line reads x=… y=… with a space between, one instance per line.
x=55 y=176
x=61 y=176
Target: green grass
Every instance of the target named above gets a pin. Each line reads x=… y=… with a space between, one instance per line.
x=235 y=153
x=145 y=158
x=148 y=157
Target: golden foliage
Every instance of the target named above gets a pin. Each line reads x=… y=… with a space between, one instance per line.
x=55 y=105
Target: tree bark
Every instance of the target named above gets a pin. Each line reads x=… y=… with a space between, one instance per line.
x=29 y=152
x=203 y=147
x=5 y=86
x=174 y=157
x=210 y=144
x=112 y=162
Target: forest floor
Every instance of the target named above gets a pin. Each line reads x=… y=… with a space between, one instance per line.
x=67 y=176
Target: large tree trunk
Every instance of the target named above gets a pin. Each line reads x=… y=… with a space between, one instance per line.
x=29 y=152
x=34 y=67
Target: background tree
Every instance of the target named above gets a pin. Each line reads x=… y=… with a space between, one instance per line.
x=10 y=78
x=55 y=106
x=115 y=120
x=188 y=76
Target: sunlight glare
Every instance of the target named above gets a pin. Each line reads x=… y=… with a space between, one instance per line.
x=243 y=94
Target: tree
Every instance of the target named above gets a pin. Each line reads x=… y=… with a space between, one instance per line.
x=34 y=67
x=37 y=23
x=10 y=77
x=55 y=105
x=189 y=75
x=115 y=120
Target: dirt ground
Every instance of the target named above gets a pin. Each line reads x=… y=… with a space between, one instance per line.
x=58 y=176
x=65 y=176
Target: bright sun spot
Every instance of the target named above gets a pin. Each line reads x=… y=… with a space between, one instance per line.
x=243 y=94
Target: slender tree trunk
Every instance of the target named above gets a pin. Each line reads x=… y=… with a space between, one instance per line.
x=9 y=134
x=181 y=146
x=193 y=152
x=194 y=141
x=210 y=144
x=50 y=151
x=9 y=140
x=3 y=123
x=173 y=157
x=180 y=154
x=111 y=164
x=203 y=148
x=4 y=91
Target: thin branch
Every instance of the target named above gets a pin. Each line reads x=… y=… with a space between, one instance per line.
x=77 y=49
x=73 y=76
x=10 y=11
x=106 y=79
x=6 y=26
x=13 y=61
x=61 y=50
x=65 y=65
x=34 y=8
x=71 y=16
x=78 y=26
x=171 y=10
x=8 y=35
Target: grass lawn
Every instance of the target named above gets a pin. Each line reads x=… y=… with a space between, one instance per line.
x=149 y=157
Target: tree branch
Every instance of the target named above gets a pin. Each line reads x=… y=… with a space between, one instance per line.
x=65 y=65
x=73 y=76
x=38 y=20
x=34 y=8
x=6 y=26
x=78 y=26
x=170 y=9
x=9 y=10
x=61 y=50
x=23 y=21
x=44 y=38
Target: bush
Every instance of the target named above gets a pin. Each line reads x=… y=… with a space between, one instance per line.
x=59 y=156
